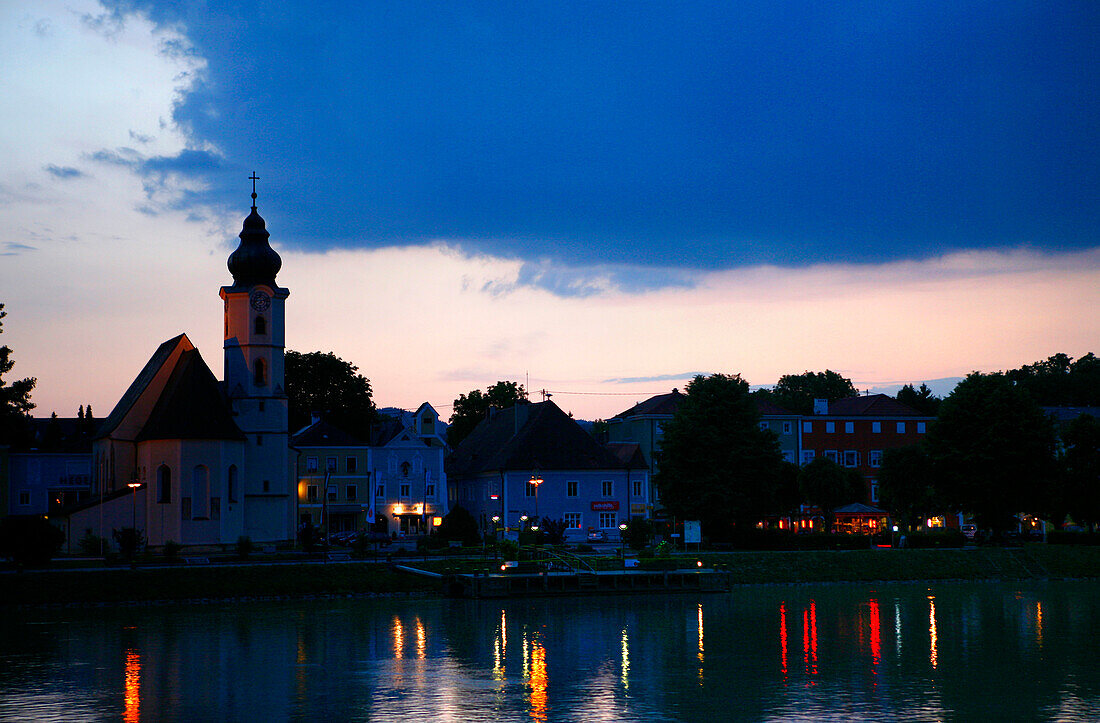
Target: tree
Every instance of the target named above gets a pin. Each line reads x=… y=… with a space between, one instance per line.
x=30 y=541
x=470 y=409
x=459 y=524
x=827 y=485
x=922 y=400
x=1061 y=381
x=130 y=541
x=717 y=465
x=905 y=485
x=554 y=530
x=325 y=383
x=1080 y=493
x=797 y=392
x=992 y=450
x=15 y=398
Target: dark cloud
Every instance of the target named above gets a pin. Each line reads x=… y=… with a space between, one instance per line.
x=658 y=378
x=140 y=137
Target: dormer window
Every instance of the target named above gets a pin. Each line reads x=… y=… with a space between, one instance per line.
x=260 y=325
x=427 y=424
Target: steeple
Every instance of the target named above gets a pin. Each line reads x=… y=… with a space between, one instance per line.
x=254 y=262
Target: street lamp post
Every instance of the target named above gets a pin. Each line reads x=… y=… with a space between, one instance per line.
x=133 y=518
x=535 y=481
x=622 y=541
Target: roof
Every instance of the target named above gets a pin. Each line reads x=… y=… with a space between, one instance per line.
x=141 y=382
x=858 y=508
x=529 y=436
x=1068 y=414
x=768 y=407
x=662 y=404
x=871 y=405
x=323 y=434
x=629 y=454
x=191 y=405
x=60 y=434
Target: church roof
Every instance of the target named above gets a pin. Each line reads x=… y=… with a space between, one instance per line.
x=529 y=436
x=191 y=405
x=254 y=261
x=141 y=383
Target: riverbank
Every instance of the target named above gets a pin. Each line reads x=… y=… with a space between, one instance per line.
x=215 y=582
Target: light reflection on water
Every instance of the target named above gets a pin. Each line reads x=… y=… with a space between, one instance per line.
x=986 y=651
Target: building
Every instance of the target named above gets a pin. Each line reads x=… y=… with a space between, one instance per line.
x=53 y=473
x=534 y=461
x=196 y=461
x=855 y=432
x=394 y=482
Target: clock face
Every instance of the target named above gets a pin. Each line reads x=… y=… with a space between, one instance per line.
x=259 y=301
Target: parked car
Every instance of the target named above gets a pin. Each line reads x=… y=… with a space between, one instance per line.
x=597 y=536
x=971 y=531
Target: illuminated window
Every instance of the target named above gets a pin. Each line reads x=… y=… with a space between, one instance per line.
x=572 y=520
x=874 y=458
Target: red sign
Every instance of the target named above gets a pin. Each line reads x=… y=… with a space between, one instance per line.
x=607 y=506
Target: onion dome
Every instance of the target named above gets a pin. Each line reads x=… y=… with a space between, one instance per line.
x=254 y=261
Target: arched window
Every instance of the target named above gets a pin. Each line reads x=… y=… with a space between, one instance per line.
x=231 y=483
x=164 y=484
x=260 y=325
x=200 y=493
x=258 y=373
x=404 y=469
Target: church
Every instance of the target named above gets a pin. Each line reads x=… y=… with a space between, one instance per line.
x=192 y=460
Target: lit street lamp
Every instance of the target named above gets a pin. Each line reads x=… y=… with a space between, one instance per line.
x=134 y=486
x=622 y=540
x=535 y=481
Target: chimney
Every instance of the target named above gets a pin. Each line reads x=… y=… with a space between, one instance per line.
x=314 y=417
x=821 y=406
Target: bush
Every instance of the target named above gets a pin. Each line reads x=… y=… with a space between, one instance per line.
x=171 y=550
x=29 y=541
x=663 y=549
x=244 y=547
x=508 y=549
x=1062 y=537
x=93 y=545
x=935 y=539
x=130 y=541
x=458 y=524
x=308 y=537
x=639 y=533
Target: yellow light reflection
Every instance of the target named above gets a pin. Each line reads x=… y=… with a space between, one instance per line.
x=933 y=656
x=626 y=660
x=700 y=616
x=897 y=628
x=503 y=633
x=421 y=640
x=132 y=682
x=398 y=638
x=1039 y=623
x=538 y=682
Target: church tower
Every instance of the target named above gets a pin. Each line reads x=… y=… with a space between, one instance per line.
x=254 y=380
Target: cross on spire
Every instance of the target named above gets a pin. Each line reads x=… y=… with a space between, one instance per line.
x=253 y=178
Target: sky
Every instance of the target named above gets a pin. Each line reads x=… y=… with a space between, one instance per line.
x=599 y=199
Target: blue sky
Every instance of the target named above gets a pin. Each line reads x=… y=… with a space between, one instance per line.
x=684 y=135
x=602 y=198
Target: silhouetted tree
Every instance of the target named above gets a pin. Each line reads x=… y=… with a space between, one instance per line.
x=906 y=486
x=1061 y=381
x=29 y=541
x=1080 y=489
x=827 y=485
x=922 y=400
x=797 y=392
x=130 y=541
x=325 y=383
x=459 y=524
x=554 y=530
x=992 y=450
x=717 y=465
x=15 y=398
x=470 y=409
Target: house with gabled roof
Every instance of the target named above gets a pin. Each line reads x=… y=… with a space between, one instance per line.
x=534 y=461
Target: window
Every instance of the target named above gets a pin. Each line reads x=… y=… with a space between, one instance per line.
x=427 y=424
x=637 y=488
x=311 y=493
x=351 y=492
x=788 y=456
x=807 y=427
x=830 y=427
x=260 y=325
x=529 y=489
x=185 y=508
x=330 y=464
x=267 y=485
x=311 y=464
x=259 y=440
x=164 y=484
x=24 y=498
x=200 y=493
x=788 y=427
x=259 y=374
x=405 y=489
x=874 y=458
x=901 y=427
x=874 y=490
x=763 y=424
x=380 y=491
x=608 y=520
x=807 y=456
x=429 y=490
x=572 y=520
x=830 y=454
x=332 y=493
x=571 y=488
x=231 y=484
x=921 y=427
x=851 y=458
x=849 y=427
x=876 y=427
x=404 y=469
x=607 y=488
x=351 y=465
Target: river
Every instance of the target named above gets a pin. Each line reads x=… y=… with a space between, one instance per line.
x=980 y=651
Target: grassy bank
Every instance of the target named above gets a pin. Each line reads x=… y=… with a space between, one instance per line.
x=292 y=580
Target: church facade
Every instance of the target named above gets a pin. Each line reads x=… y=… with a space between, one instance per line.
x=188 y=459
